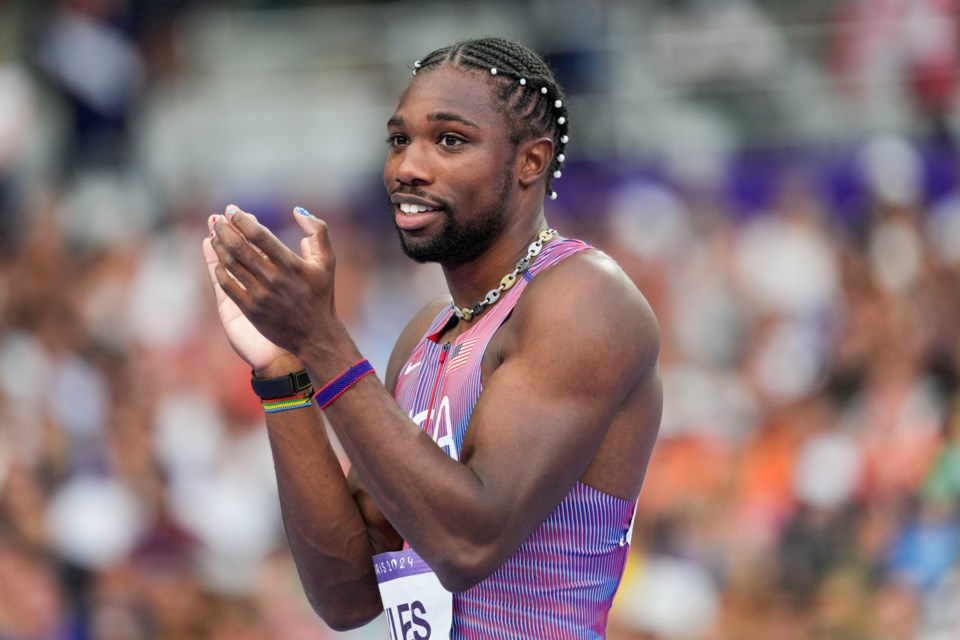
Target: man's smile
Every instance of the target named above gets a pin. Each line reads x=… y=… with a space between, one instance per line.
x=413 y=213
x=415 y=208
x=413 y=217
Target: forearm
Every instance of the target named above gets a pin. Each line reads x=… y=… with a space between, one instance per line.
x=327 y=535
x=438 y=505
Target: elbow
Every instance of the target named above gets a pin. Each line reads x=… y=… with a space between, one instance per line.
x=344 y=616
x=345 y=622
x=466 y=568
x=458 y=581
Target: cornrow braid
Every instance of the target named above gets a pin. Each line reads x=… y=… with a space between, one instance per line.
x=525 y=84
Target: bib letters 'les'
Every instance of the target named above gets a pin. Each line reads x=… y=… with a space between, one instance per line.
x=561 y=581
x=416 y=605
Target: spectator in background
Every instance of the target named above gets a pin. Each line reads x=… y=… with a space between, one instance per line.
x=908 y=44
x=98 y=71
x=17 y=105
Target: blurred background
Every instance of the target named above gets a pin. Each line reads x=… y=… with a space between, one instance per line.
x=780 y=178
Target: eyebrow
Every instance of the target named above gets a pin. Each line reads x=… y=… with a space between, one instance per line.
x=442 y=116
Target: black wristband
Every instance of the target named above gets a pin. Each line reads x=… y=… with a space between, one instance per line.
x=292 y=384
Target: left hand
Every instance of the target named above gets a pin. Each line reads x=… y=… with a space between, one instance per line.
x=288 y=298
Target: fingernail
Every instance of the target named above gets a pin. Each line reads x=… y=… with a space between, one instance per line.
x=301 y=211
x=211 y=234
x=232 y=211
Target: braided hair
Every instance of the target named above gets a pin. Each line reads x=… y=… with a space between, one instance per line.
x=526 y=85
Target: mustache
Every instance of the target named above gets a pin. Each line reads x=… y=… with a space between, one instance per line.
x=413 y=191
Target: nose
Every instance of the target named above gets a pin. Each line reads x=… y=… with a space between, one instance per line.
x=410 y=165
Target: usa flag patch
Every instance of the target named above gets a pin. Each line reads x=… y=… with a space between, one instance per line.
x=461 y=354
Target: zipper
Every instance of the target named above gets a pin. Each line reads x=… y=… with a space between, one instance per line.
x=436 y=386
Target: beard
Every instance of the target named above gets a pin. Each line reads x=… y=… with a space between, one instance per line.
x=460 y=242
x=457 y=242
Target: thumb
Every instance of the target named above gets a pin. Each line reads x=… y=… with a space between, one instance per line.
x=317 y=242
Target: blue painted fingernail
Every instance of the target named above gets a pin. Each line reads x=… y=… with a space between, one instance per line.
x=231 y=211
x=301 y=211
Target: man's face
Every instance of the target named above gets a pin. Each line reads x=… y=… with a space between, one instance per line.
x=449 y=171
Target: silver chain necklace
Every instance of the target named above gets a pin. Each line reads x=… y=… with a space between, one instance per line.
x=468 y=313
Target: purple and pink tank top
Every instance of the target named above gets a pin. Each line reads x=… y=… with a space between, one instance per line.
x=561 y=581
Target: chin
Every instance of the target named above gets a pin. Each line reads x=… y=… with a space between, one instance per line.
x=455 y=243
x=420 y=249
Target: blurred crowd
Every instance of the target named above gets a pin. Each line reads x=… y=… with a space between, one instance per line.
x=806 y=482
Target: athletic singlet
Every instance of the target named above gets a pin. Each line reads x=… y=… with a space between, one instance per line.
x=561 y=581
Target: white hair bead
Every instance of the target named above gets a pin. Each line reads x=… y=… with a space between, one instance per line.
x=558 y=104
x=417 y=64
x=553 y=195
x=561 y=120
x=493 y=71
x=564 y=139
x=556 y=174
x=543 y=90
x=523 y=81
x=561 y=158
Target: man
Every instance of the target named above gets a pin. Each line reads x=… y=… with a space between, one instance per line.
x=518 y=499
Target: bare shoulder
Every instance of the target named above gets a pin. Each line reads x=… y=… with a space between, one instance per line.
x=578 y=358
x=588 y=302
x=410 y=336
x=593 y=329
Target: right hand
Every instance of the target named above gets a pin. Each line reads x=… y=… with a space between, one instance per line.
x=265 y=358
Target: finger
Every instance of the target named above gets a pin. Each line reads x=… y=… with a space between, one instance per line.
x=261 y=238
x=237 y=257
x=308 y=224
x=225 y=284
x=316 y=246
x=231 y=287
x=212 y=261
x=211 y=258
x=232 y=208
x=239 y=245
x=306 y=220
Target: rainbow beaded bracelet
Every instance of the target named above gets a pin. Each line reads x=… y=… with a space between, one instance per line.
x=284 y=404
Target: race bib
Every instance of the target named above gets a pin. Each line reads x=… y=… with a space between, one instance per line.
x=416 y=605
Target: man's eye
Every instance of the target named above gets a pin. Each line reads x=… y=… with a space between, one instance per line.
x=450 y=140
x=396 y=140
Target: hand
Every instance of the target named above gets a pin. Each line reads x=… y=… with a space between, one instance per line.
x=286 y=299
x=264 y=357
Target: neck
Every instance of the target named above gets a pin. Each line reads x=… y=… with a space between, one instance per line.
x=470 y=281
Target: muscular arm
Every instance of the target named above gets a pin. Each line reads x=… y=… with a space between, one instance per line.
x=332 y=525
x=328 y=536
x=544 y=412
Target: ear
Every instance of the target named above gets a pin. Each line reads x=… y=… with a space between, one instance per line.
x=534 y=158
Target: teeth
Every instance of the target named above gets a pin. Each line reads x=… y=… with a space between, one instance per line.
x=414 y=208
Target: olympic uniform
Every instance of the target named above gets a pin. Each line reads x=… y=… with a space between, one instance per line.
x=561 y=581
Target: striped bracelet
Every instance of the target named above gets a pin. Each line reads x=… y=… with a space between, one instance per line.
x=284 y=404
x=336 y=387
